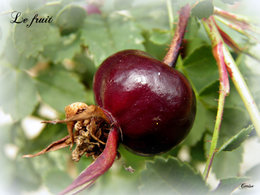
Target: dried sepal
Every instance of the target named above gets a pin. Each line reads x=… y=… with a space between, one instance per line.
x=103 y=162
x=79 y=111
x=56 y=145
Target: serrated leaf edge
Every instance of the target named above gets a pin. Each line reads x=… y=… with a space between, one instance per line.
x=249 y=128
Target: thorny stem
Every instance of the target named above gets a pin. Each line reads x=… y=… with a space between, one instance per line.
x=214 y=140
x=217 y=49
x=172 y=54
x=235 y=27
x=228 y=40
x=241 y=21
x=231 y=16
x=239 y=83
x=242 y=88
x=231 y=43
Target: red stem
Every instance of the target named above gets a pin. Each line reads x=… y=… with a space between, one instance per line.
x=239 y=20
x=98 y=167
x=223 y=75
x=172 y=55
x=224 y=88
x=228 y=40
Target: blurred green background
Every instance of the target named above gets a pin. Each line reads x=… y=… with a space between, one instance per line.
x=47 y=66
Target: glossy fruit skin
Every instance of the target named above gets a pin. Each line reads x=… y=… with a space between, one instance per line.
x=153 y=103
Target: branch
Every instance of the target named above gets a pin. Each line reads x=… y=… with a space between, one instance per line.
x=235 y=27
x=231 y=43
x=224 y=88
x=236 y=77
x=233 y=17
x=239 y=20
x=172 y=55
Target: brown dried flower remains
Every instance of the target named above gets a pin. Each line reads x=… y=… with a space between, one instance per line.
x=90 y=138
x=91 y=127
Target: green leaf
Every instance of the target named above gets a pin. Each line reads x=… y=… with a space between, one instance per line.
x=121 y=6
x=53 y=160
x=160 y=37
x=178 y=4
x=193 y=29
x=25 y=175
x=235 y=141
x=210 y=95
x=199 y=125
x=194 y=38
x=70 y=18
x=234 y=119
x=197 y=152
x=49 y=134
x=57 y=180
x=121 y=184
x=107 y=35
x=59 y=88
x=5 y=162
x=135 y=161
x=18 y=92
x=227 y=164
x=30 y=41
x=170 y=176
x=26 y=5
x=155 y=50
x=51 y=9
x=226 y=186
x=249 y=67
x=15 y=58
x=86 y=68
x=235 y=35
x=155 y=17
x=201 y=68
x=203 y=9
x=64 y=48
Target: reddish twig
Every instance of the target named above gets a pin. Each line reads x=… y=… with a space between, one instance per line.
x=229 y=41
x=224 y=58
x=237 y=19
x=172 y=54
x=224 y=88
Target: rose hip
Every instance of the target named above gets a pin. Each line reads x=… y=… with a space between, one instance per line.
x=153 y=104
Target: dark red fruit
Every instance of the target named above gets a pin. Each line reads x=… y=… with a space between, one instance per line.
x=153 y=103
